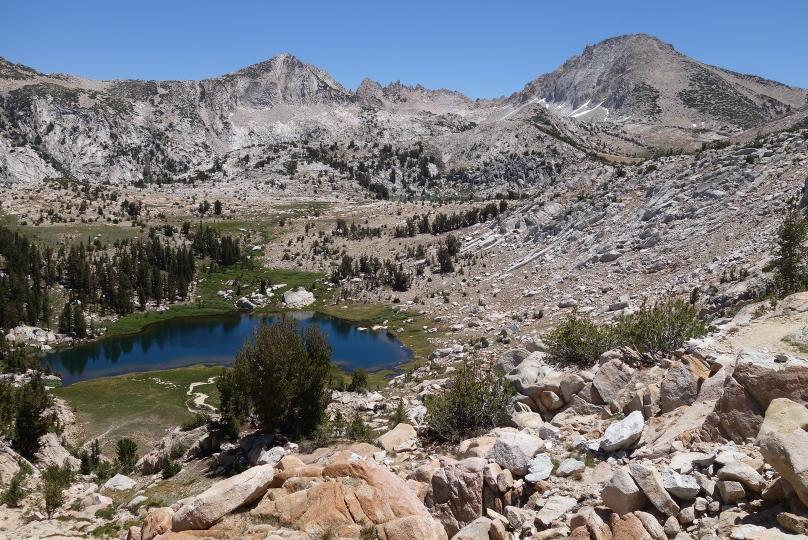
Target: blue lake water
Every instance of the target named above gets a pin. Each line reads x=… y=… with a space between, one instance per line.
x=188 y=341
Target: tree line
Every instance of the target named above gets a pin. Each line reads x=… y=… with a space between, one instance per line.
x=442 y=222
x=94 y=278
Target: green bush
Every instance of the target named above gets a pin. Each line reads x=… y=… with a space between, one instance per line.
x=358 y=430
x=655 y=330
x=660 y=329
x=577 y=340
x=359 y=380
x=14 y=493
x=473 y=401
x=171 y=468
x=399 y=416
x=197 y=420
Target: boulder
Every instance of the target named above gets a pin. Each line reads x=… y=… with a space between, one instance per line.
x=610 y=379
x=652 y=526
x=204 y=510
x=550 y=400
x=51 y=452
x=766 y=378
x=399 y=434
x=623 y=433
x=403 y=501
x=587 y=518
x=570 y=385
x=120 y=482
x=539 y=468
x=627 y=527
x=513 y=451
x=298 y=298
x=569 y=467
x=412 y=528
x=455 y=494
x=743 y=473
x=783 y=442
x=730 y=491
x=244 y=303
x=527 y=376
x=509 y=360
x=679 y=387
x=527 y=420
x=737 y=414
x=622 y=494
x=555 y=507
x=793 y=522
x=650 y=482
x=158 y=521
x=476 y=530
x=681 y=486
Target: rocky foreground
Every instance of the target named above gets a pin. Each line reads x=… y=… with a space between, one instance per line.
x=703 y=445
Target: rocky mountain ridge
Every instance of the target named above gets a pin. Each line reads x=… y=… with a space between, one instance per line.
x=631 y=95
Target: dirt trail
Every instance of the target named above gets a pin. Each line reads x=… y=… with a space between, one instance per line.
x=199 y=397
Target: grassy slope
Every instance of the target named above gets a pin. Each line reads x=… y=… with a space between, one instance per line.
x=138 y=406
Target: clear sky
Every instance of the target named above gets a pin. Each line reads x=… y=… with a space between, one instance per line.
x=484 y=49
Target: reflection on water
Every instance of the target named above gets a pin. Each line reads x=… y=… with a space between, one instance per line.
x=187 y=341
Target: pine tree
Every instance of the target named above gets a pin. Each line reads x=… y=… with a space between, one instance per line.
x=790 y=254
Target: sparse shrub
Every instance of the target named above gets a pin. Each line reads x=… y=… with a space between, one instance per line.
x=399 y=416
x=358 y=430
x=660 y=329
x=171 y=468
x=473 y=400
x=198 y=420
x=177 y=451
x=359 y=380
x=125 y=450
x=577 y=340
x=15 y=492
x=656 y=330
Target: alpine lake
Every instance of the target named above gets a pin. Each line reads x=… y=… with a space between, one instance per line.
x=214 y=339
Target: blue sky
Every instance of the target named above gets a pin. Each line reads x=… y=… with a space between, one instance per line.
x=484 y=49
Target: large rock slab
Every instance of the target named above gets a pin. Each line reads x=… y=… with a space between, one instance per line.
x=455 y=494
x=622 y=494
x=204 y=510
x=539 y=468
x=51 y=452
x=513 y=451
x=767 y=379
x=611 y=378
x=681 y=383
x=476 y=530
x=509 y=360
x=412 y=528
x=298 y=298
x=783 y=442
x=651 y=483
x=623 y=433
x=743 y=473
x=399 y=434
x=528 y=374
x=555 y=507
x=403 y=500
